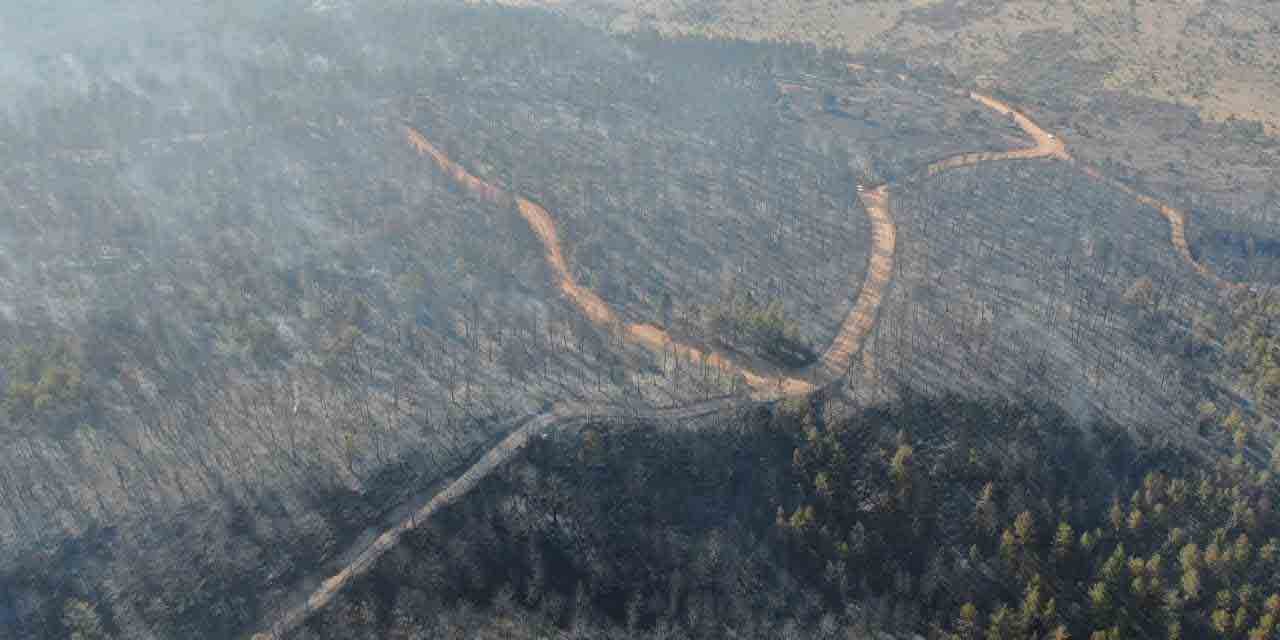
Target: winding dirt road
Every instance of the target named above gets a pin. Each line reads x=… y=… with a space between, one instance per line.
x=591 y=305
x=835 y=362
x=1177 y=226
x=838 y=358
x=1050 y=146
x=1046 y=144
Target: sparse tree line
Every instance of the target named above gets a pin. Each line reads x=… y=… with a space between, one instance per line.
x=1222 y=174
x=1031 y=276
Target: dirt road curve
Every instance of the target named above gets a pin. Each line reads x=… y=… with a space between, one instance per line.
x=838 y=358
x=590 y=304
x=1050 y=146
x=1047 y=145
x=1177 y=226
x=832 y=366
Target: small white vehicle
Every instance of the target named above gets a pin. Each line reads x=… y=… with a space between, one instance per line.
x=1051 y=136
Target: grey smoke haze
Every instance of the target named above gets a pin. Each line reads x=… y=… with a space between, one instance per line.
x=51 y=49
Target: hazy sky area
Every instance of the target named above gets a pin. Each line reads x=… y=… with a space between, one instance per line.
x=51 y=47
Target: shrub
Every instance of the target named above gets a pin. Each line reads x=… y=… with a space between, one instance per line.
x=760 y=327
x=44 y=386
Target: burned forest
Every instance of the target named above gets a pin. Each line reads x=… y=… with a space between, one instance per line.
x=353 y=319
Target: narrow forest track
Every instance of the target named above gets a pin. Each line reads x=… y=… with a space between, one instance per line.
x=591 y=305
x=1177 y=227
x=839 y=356
x=832 y=366
x=1048 y=145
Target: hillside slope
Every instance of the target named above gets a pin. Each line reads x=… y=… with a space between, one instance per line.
x=837 y=521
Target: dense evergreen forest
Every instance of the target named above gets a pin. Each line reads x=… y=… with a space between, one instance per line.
x=938 y=516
